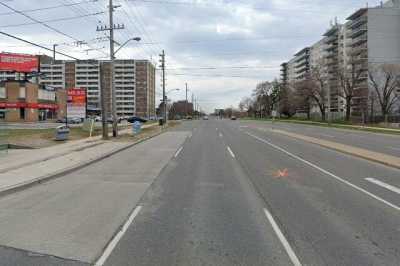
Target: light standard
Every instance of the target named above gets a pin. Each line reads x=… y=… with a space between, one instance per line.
x=113 y=92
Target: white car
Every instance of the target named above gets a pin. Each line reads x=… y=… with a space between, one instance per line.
x=205 y=117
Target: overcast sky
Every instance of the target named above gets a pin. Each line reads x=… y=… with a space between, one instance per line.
x=244 y=41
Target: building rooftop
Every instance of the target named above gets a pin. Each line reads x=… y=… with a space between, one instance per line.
x=357 y=14
x=302 y=51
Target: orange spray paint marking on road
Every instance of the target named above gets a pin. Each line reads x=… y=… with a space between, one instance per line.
x=281 y=173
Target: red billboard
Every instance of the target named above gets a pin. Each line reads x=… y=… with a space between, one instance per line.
x=19 y=62
x=76 y=103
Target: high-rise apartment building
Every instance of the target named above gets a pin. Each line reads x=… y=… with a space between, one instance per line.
x=369 y=38
x=134 y=83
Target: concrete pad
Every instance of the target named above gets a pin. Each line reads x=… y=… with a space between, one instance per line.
x=75 y=216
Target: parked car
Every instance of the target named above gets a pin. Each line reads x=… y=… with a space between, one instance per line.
x=61 y=120
x=74 y=120
x=189 y=117
x=205 y=117
x=110 y=120
x=133 y=119
x=233 y=117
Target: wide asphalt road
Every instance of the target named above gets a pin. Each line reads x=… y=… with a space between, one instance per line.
x=383 y=143
x=237 y=196
x=216 y=192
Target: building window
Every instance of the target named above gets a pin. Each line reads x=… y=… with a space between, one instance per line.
x=2 y=92
x=22 y=113
x=47 y=95
x=22 y=92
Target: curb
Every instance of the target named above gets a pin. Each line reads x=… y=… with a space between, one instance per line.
x=60 y=173
x=373 y=157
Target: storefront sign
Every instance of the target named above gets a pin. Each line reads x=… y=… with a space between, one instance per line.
x=76 y=103
x=19 y=62
x=29 y=105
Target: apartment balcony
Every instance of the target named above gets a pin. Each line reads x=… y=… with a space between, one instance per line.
x=362 y=48
x=332 y=48
x=332 y=39
x=358 y=22
x=359 y=31
x=360 y=40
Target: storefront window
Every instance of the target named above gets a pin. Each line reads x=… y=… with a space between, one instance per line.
x=2 y=92
x=2 y=113
x=22 y=92
x=22 y=113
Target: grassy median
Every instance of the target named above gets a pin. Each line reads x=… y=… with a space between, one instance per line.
x=336 y=124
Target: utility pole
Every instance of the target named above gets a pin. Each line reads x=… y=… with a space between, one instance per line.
x=192 y=104
x=111 y=27
x=163 y=85
x=186 y=103
x=54 y=52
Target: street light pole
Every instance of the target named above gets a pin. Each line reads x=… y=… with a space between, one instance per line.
x=186 y=103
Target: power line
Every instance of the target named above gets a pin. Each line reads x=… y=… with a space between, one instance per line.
x=38 y=21
x=221 y=67
x=47 y=8
x=51 y=20
x=35 y=44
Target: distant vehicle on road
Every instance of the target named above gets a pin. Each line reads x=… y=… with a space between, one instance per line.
x=134 y=119
x=205 y=117
x=233 y=117
x=189 y=117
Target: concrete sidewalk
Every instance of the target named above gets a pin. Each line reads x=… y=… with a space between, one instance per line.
x=24 y=168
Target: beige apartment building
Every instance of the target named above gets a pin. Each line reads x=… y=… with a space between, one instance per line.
x=370 y=37
x=134 y=83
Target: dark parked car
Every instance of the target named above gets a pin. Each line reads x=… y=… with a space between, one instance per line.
x=110 y=120
x=233 y=117
x=133 y=119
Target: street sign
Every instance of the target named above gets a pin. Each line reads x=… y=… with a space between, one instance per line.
x=76 y=103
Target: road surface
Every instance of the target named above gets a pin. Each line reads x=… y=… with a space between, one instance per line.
x=214 y=192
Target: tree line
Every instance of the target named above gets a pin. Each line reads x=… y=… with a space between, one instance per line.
x=360 y=92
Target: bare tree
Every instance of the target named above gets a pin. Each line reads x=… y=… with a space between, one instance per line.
x=246 y=105
x=385 y=81
x=348 y=77
x=262 y=97
x=315 y=87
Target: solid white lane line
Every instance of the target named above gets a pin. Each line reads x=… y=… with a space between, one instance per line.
x=326 y=135
x=384 y=185
x=110 y=247
x=283 y=240
x=327 y=172
x=230 y=151
x=178 y=151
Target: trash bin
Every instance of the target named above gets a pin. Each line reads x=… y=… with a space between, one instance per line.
x=62 y=133
x=161 y=122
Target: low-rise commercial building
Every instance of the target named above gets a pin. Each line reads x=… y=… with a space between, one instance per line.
x=23 y=101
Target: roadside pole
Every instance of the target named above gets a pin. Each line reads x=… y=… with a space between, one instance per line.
x=163 y=85
x=186 y=103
